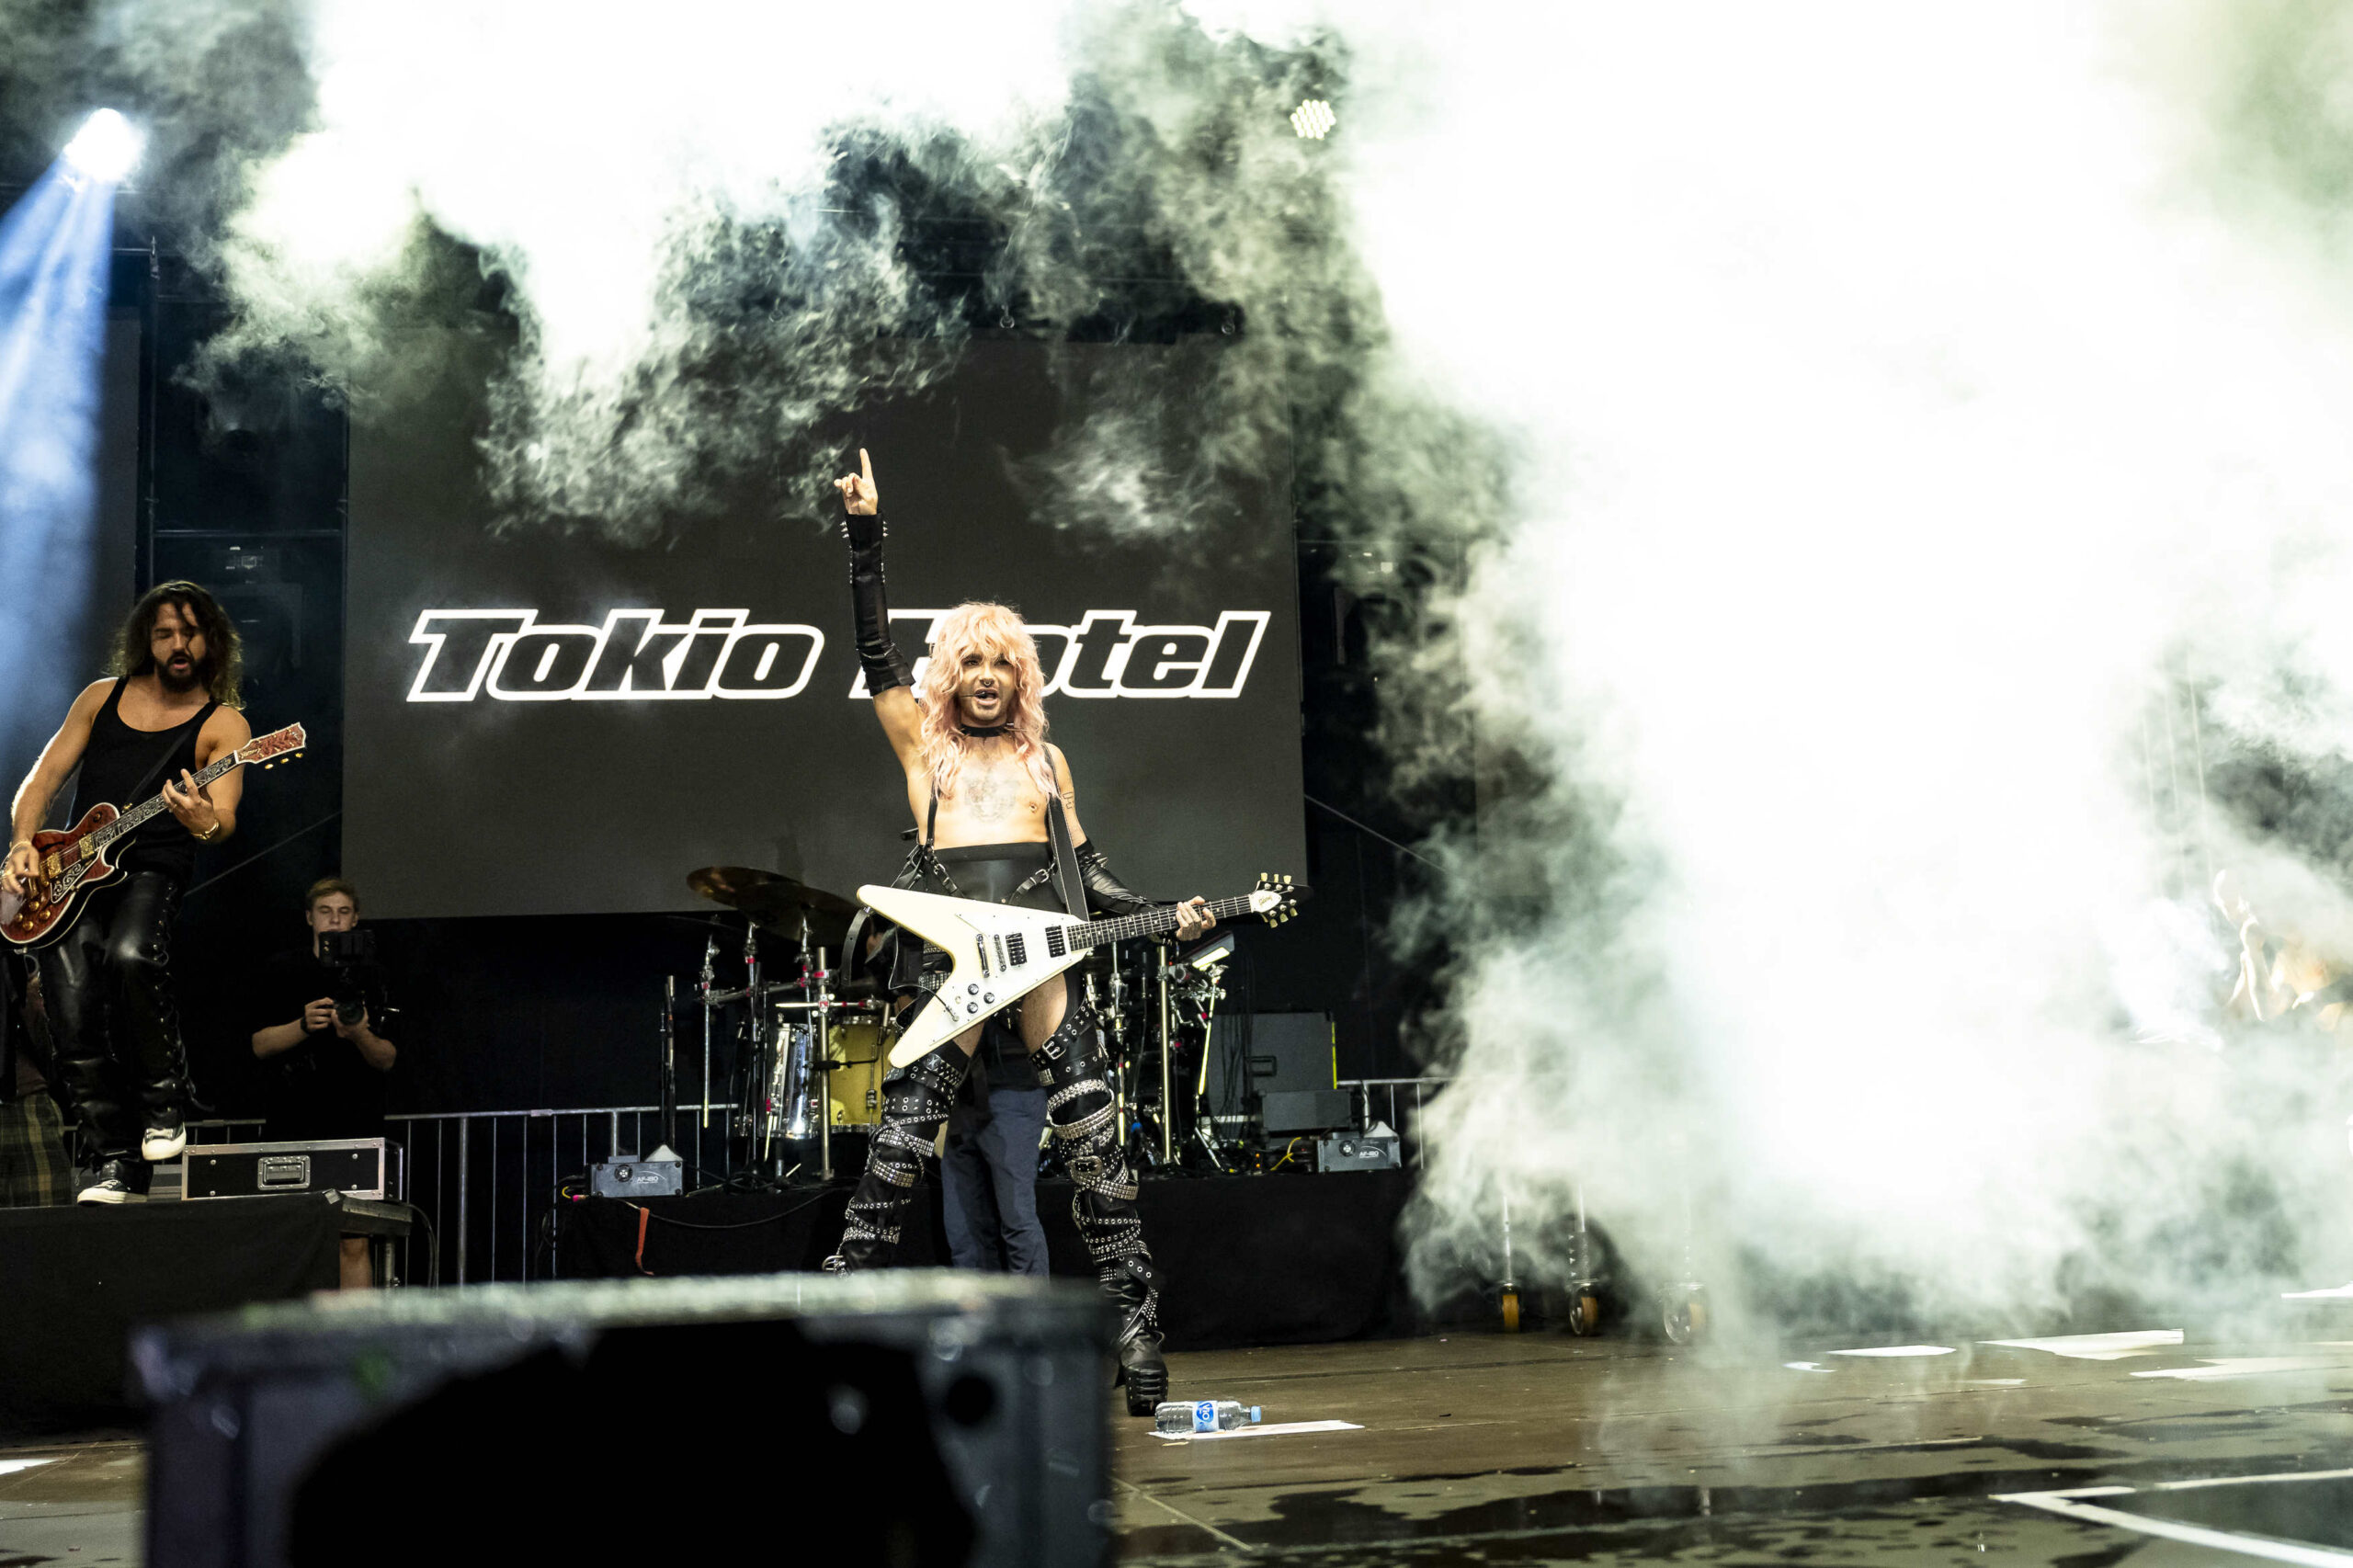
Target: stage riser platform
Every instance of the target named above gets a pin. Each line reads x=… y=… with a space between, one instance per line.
x=76 y=1280
x=1243 y=1260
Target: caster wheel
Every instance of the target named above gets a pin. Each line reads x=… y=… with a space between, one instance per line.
x=1685 y=1320
x=1511 y=1311
x=1585 y=1314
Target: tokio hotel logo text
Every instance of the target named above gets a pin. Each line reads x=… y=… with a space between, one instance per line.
x=510 y=656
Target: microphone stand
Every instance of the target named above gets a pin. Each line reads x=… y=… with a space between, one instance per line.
x=669 y=1063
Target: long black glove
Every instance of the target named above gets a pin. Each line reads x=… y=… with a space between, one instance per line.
x=1104 y=891
x=880 y=657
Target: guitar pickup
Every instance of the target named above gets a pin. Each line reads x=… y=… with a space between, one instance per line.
x=1057 y=944
x=1017 y=952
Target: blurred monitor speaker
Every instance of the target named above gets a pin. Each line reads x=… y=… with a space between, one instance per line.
x=1272 y=1053
x=1307 y=1110
x=963 y=1415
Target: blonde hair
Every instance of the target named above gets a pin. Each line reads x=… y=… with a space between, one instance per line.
x=992 y=631
x=326 y=886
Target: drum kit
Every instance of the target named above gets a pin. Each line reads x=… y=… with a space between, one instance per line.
x=806 y=1046
x=790 y=1059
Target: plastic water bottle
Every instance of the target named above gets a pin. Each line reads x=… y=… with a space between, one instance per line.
x=1185 y=1417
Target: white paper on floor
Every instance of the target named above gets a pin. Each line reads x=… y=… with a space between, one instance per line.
x=1277 y=1430
x=2337 y=1294
x=2239 y=1367
x=2098 y=1346
x=1896 y=1350
x=1995 y=1382
x=1805 y=1366
x=9 y=1467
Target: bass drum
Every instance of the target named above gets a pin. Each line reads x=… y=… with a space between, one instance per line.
x=859 y=1057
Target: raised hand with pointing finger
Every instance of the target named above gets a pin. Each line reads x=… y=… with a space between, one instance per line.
x=859 y=498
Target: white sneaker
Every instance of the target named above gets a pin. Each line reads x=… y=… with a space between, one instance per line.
x=107 y=1187
x=163 y=1143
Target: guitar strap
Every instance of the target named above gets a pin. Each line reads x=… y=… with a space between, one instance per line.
x=1074 y=891
x=154 y=774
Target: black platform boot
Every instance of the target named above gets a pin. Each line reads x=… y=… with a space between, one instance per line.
x=1085 y=1116
x=916 y=1099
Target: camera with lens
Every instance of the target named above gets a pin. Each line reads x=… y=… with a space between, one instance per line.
x=357 y=990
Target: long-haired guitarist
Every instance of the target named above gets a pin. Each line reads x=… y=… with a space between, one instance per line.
x=980 y=777
x=169 y=710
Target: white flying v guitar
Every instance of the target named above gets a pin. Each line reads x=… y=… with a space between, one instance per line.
x=1002 y=953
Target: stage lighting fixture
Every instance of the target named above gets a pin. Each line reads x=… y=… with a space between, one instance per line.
x=1313 y=119
x=107 y=148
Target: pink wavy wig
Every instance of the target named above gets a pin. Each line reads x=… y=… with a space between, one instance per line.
x=988 y=629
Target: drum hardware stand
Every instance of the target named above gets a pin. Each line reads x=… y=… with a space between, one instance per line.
x=820 y=981
x=764 y=1106
x=710 y=959
x=1167 y=1099
x=1204 y=1123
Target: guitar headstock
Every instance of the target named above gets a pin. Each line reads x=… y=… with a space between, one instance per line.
x=1276 y=898
x=278 y=745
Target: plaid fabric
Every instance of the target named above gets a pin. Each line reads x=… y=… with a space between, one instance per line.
x=34 y=1170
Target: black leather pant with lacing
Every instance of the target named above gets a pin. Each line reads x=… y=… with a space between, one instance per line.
x=1084 y=1115
x=113 y=1024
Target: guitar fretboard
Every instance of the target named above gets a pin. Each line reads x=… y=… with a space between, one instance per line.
x=131 y=820
x=1151 y=922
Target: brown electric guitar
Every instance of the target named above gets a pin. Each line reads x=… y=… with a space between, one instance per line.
x=73 y=862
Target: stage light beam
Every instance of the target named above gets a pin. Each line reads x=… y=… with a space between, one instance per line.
x=55 y=245
x=107 y=148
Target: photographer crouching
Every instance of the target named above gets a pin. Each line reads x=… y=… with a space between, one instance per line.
x=325 y=1051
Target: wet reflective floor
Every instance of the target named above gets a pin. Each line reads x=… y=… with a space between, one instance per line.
x=1531 y=1449
x=1528 y=1450
x=72 y=1502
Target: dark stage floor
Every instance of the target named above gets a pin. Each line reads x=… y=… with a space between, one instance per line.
x=1488 y=1449
x=1531 y=1449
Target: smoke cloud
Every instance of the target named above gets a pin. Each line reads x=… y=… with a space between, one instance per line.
x=1895 y=456
x=1915 y=428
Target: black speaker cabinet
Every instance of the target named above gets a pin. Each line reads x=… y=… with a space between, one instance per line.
x=1263 y=1053
x=902 y=1417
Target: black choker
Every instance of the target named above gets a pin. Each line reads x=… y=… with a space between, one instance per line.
x=979 y=734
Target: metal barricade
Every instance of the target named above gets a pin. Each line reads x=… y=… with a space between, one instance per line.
x=485 y=1181
x=1378 y=1099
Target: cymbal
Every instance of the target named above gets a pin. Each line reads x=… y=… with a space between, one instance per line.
x=741 y=887
x=775 y=900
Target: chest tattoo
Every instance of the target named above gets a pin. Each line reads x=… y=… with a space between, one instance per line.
x=991 y=792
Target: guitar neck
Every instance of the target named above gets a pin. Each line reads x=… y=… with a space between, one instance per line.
x=137 y=815
x=1151 y=922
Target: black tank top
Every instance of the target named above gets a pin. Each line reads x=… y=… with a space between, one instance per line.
x=120 y=759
